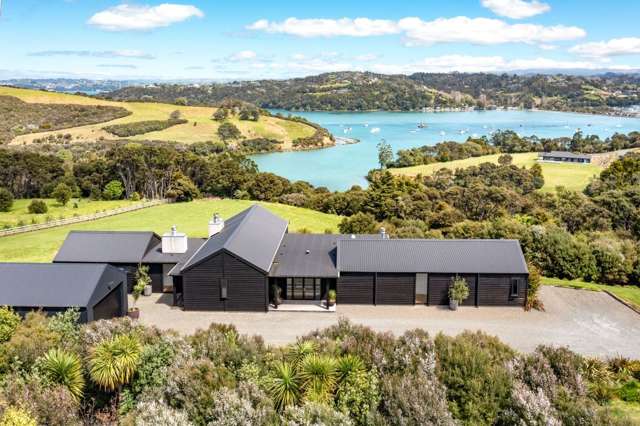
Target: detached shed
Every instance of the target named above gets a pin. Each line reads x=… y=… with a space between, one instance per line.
x=98 y=290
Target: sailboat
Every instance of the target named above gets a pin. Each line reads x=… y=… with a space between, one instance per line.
x=422 y=125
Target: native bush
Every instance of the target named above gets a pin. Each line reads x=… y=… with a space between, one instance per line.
x=566 y=366
x=153 y=413
x=223 y=344
x=37 y=207
x=9 y=321
x=17 y=417
x=245 y=406
x=315 y=414
x=358 y=395
x=6 y=200
x=31 y=339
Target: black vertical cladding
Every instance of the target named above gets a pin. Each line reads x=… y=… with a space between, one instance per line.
x=155 y=273
x=438 y=289
x=356 y=288
x=110 y=306
x=246 y=285
x=495 y=290
x=395 y=289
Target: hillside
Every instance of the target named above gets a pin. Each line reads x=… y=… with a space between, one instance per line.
x=357 y=91
x=192 y=218
x=199 y=125
x=572 y=176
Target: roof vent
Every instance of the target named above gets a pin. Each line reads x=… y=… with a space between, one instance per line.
x=383 y=234
x=307 y=251
x=353 y=236
x=216 y=225
x=174 y=242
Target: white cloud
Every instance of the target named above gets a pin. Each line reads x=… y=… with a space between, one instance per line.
x=467 y=63
x=244 y=55
x=127 y=17
x=459 y=29
x=613 y=47
x=358 y=27
x=462 y=29
x=516 y=9
x=298 y=56
x=126 y=53
x=367 y=57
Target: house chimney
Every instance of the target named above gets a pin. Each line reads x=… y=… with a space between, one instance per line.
x=174 y=242
x=216 y=224
x=383 y=233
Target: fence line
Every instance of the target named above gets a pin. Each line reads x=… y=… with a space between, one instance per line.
x=78 y=219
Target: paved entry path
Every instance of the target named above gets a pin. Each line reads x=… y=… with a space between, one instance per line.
x=591 y=323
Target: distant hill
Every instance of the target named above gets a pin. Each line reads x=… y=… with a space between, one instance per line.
x=361 y=91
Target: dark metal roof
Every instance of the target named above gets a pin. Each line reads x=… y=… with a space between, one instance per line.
x=293 y=260
x=106 y=246
x=565 y=154
x=56 y=285
x=434 y=256
x=155 y=255
x=253 y=235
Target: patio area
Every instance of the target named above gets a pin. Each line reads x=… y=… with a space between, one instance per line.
x=319 y=306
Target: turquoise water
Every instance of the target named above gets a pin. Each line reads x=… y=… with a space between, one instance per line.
x=342 y=166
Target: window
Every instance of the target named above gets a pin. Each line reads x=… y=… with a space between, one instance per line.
x=223 y=288
x=515 y=286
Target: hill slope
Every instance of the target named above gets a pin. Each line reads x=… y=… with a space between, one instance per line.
x=572 y=176
x=192 y=218
x=198 y=128
x=357 y=91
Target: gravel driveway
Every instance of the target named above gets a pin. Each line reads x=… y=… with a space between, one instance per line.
x=590 y=323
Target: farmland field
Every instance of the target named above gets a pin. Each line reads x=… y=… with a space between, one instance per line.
x=199 y=127
x=572 y=176
x=192 y=218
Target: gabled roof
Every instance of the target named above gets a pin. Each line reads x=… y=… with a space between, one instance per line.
x=431 y=256
x=106 y=246
x=56 y=285
x=565 y=154
x=252 y=235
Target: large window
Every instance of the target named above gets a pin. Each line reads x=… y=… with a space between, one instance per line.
x=304 y=289
x=515 y=287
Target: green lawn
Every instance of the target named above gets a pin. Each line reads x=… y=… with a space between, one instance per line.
x=19 y=215
x=571 y=176
x=192 y=218
x=626 y=410
x=629 y=293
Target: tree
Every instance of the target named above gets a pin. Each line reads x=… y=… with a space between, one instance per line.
x=505 y=160
x=175 y=115
x=220 y=114
x=62 y=193
x=6 y=200
x=183 y=189
x=66 y=369
x=284 y=387
x=359 y=223
x=227 y=131
x=385 y=154
x=112 y=363
x=113 y=190
x=38 y=207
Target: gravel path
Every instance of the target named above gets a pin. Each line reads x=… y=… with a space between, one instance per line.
x=591 y=323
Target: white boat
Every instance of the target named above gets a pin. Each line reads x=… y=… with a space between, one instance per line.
x=375 y=130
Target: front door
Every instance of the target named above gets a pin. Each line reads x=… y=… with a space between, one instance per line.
x=421 y=289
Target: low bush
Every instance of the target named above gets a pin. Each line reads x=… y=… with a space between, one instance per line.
x=6 y=200
x=37 y=207
x=9 y=321
x=142 y=127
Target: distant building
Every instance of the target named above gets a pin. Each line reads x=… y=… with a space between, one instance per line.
x=565 y=157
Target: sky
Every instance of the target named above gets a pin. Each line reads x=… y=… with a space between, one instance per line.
x=226 y=40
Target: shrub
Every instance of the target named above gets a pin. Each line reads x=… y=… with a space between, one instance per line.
x=193 y=387
x=182 y=189
x=473 y=369
x=222 y=344
x=6 y=200
x=315 y=414
x=17 y=417
x=50 y=405
x=113 y=190
x=529 y=407
x=630 y=391
x=37 y=207
x=31 y=339
x=227 y=131
x=566 y=366
x=9 y=321
x=67 y=325
x=459 y=290
x=246 y=406
x=153 y=413
x=62 y=193
x=358 y=395
x=414 y=399
x=359 y=223
x=414 y=353
x=65 y=369
x=535 y=281
x=135 y=196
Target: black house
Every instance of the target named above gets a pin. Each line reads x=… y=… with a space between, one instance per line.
x=98 y=290
x=253 y=251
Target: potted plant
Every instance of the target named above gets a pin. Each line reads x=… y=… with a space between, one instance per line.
x=458 y=292
x=136 y=292
x=331 y=298
x=142 y=278
x=277 y=292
